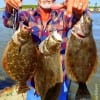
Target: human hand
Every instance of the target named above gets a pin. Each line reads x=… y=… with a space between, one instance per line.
x=10 y=4
x=76 y=6
x=58 y=6
x=24 y=28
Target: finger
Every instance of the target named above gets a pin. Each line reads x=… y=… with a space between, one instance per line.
x=56 y=6
x=18 y=3
x=9 y=8
x=85 y=2
x=75 y=5
x=6 y=1
x=70 y=7
x=80 y=4
x=78 y=7
x=14 y=3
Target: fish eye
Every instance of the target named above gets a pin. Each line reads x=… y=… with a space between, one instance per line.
x=88 y=19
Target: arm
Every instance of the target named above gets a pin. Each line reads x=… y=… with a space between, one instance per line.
x=72 y=6
x=8 y=15
x=9 y=19
x=12 y=14
x=74 y=11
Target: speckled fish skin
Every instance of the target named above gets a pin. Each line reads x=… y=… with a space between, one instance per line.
x=48 y=74
x=81 y=54
x=19 y=60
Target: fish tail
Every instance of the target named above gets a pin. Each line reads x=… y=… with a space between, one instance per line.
x=82 y=92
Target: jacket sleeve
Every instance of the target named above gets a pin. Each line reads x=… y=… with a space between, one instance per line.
x=10 y=19
x=6 y=18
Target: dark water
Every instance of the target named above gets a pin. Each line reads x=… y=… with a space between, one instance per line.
x=5 y=35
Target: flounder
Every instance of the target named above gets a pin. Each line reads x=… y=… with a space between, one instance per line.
x=48 y=74
x=19 y=58
x=81 y=55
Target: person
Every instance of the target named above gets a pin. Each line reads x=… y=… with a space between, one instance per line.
x=46 y=17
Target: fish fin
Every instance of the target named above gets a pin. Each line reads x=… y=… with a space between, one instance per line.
x=82 y=92
x=20 y=49
x=22 y=89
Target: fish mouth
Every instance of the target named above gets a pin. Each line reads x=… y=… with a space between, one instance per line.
x=81 y=35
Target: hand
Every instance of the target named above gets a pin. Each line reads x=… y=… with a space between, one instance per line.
x=57 y=6
x=76 y=6
x=24 y=28
x=16 y=4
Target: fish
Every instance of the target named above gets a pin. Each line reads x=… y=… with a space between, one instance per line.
x=22 y=58
x=48 y=76
x=81 y=56
x=19 y=59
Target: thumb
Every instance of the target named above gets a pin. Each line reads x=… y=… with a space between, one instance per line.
x=14 y=3
x=69 y=4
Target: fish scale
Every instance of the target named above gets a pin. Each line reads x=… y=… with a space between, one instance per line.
x=81 y=55
x=19 y=64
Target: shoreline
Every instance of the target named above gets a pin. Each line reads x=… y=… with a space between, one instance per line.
x=10 y=93
x=91 y=10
